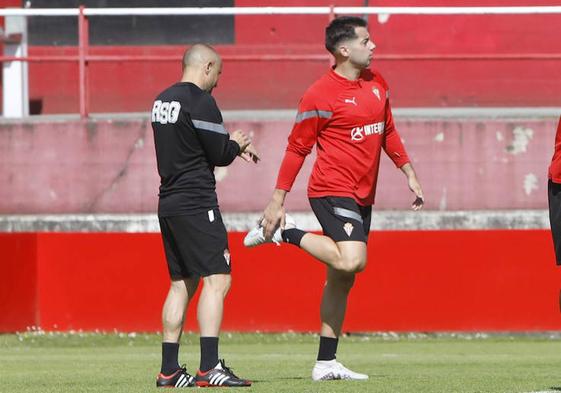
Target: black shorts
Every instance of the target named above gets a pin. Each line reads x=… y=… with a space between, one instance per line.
x=554 y=196
x=342 y=219
x=195 y=245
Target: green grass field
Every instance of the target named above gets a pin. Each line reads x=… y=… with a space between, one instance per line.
x=80 y=362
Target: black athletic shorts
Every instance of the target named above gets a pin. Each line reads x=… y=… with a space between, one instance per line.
x=554 y=196
x=342 y=219
x=195 y=245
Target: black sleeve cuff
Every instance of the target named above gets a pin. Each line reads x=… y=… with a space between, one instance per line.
x=236 y=147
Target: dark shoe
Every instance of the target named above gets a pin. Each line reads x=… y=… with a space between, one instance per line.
x=220 y=375
x=179 y=379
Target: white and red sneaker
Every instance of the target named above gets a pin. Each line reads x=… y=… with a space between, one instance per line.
x=328 y=370
x=255 y=237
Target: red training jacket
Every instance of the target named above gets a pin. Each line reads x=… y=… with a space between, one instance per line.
x=351 y=121
x=555 y=167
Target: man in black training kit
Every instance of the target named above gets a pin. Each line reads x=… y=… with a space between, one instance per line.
x=190 y=141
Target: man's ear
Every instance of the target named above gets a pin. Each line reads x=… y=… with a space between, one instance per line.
x=343 y=50
x=208 y=67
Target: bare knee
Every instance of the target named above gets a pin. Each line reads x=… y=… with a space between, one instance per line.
x=353 y=264
x=218 y=283
x=177 y=295
x=352 y=257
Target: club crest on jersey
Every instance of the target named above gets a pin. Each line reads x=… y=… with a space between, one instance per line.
x=376 y=92
x=348 y=227
x=227 y=256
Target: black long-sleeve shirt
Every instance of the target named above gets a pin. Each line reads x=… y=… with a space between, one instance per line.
x=190 y=141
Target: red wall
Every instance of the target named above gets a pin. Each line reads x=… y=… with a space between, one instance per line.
x=18 y=281
x=415 y=281
x=131 y=86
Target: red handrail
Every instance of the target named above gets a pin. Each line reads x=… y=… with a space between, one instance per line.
x=270 y=57
x=84 y=58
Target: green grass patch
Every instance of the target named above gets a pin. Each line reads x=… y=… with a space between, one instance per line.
x=128 y=362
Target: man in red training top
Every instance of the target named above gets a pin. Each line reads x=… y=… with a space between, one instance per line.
x=554 y=194
x=347 y=114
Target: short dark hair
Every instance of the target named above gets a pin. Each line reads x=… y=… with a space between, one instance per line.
x=341 y=29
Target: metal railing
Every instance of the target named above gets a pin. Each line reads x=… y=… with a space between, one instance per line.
x=83 y=57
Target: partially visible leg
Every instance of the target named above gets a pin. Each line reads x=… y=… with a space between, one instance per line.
x=343 y=246
x=334 y=302
x=347 y=256
x=180 y=293
x=211 y=303
x=333 y=308
x=209 y=313
x=332 y=311
x=173 y=313
x=213 y=372
x=173 y=316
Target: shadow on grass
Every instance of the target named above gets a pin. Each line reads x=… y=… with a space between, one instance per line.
x=278 y=379
x=309 y=379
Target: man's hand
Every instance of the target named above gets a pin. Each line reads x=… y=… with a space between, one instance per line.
x=414 y=186
x=274 y=215
x=250 y=154
x=242 y=139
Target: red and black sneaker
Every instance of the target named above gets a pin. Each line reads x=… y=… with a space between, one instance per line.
x=221 y=376
x=179 y=379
